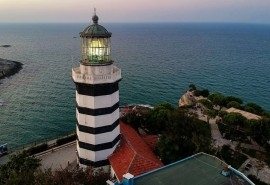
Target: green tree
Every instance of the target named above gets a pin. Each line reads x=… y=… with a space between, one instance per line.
x=234 y=99
x=217 y=99
x=155 y=120
x=254 y=108
x=19 y=169
x=234 y=119
x=212 y=113
x=71 y=176
x=183 y=136
x=134 y=119
x=192 y=87
x=204 y=93
x=222 y=113
x=205 y=102
x=261 y=132
x=234 y=104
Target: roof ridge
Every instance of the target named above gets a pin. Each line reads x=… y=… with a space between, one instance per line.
x=148 y=159
x=137 y=158
x=131 y=162
x=134 y=151
x=137 y=153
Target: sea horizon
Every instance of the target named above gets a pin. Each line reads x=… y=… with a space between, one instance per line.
x=167 y=22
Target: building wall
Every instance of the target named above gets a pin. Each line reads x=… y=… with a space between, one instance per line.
x=97 y=113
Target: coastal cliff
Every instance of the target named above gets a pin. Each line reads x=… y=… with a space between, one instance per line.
x=8 y=68
x=187 y=99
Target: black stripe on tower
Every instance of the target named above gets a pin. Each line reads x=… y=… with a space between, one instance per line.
x=98 y=130
x=92 y=163
x=97 y=112
x=97 y=89
x=99 y=147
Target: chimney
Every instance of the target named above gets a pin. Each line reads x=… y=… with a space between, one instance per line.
x=128 y=179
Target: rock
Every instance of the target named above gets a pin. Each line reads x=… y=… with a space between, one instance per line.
x=187 y=99
x=8 y=68
x=5 y=46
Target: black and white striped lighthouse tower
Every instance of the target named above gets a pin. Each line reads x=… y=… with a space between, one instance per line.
x=97 y=98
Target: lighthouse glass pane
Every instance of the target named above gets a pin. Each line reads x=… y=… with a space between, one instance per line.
x=84 y=50
x=96 y=49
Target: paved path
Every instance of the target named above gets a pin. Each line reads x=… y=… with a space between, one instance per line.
x=264 y=171
x=219 y=141
x=59 y=157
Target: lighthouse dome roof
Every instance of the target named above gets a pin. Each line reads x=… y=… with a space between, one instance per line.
x=95 y=30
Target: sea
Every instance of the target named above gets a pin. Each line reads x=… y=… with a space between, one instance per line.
x=158 y=61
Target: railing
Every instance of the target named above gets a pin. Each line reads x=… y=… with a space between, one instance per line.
x=94 y=79
x=49 y=141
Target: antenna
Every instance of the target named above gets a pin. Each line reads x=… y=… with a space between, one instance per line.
x=94 y=11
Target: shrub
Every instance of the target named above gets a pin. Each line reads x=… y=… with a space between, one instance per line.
x=233 y=158
x=208 y=104
x=66 y=139
x=37 y=149
x=222 y=113
x=204 y=93
x=234 y=104
x=232 y=98
x=192 y=87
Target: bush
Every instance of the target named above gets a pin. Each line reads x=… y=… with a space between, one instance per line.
x=66 y=139
x=211 y=113
x=223 y=128
x=217 y=99
x=234 y=104
x=192 y=87
x=208 y=104
x=71 y=175
x=254 y=108
x=37 y=149
x=222 y=113
x=233 y=158
x=232 y=98
x=19 y=169
x=204 y=93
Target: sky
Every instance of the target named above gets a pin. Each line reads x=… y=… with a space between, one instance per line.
x=139 y=11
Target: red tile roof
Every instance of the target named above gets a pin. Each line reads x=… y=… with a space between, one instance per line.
x=133 y=155
x=151 y=140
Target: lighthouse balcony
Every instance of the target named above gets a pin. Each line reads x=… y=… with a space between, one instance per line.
x=79 y=77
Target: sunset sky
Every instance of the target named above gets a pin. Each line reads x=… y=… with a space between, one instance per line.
x=244 y=11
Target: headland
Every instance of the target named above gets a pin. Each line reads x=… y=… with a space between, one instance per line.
x=9 y=67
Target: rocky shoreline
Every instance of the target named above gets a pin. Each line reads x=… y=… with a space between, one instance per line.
x=9 y=68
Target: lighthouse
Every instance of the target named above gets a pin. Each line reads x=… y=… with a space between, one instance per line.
x=97 y=98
